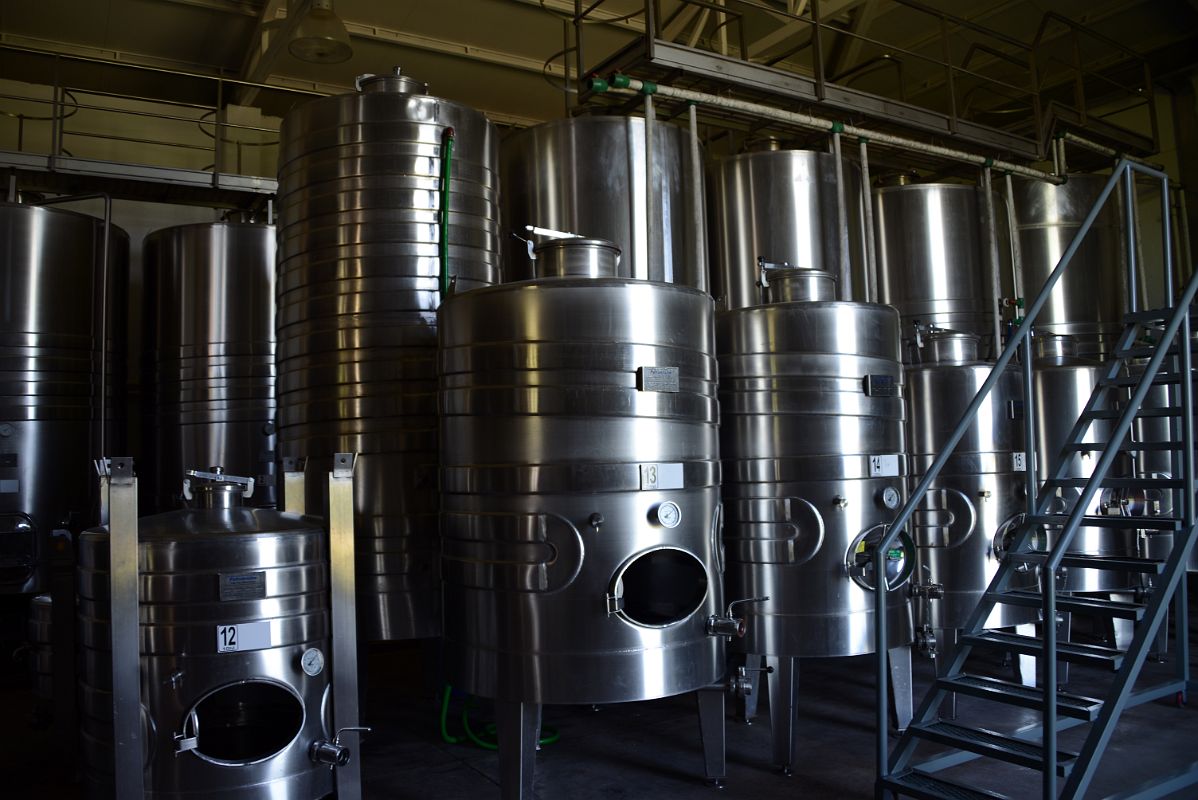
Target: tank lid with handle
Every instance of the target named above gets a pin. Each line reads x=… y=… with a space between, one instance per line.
x=576 y=257
x=395 y=82
x=942 y=346
x=215 y=489
x=782 y=282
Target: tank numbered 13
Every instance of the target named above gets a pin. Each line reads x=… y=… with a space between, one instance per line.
x=246 y=636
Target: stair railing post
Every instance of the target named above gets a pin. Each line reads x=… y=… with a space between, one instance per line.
x=1129 y=194
x=1031 y=481
x=1184 y=343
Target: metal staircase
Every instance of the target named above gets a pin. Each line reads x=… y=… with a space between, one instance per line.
x=1042 y=543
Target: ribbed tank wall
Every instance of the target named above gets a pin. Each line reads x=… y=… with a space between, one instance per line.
x=50 y=378
x=580 y=488
x=814 y=465
x=209 y=357
x=256 y=709
x=586 y=175
x=360 y=196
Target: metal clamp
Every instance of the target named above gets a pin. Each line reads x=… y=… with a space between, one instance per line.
x=216 y=475
x=189 y=738
x=333 y=754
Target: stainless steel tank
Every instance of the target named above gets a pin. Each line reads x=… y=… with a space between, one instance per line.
x=360 y=254
x=580 y=489
x=234 y=622
x=41 y=658
x=586 y=175
x=1062 y=384
x=778 y=205
x=972 y=509
x=209 y=350
x=50 y=378
x=932 y=263
x=1089 y=301
x=814 y=467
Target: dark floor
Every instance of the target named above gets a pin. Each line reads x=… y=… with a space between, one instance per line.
x=651 y=750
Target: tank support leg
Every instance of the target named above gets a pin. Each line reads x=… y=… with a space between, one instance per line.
x=946 y=651
x=1120 y=631
x=518 y=727
x=754 y=662
x=1027 y=668
x=900 y=686
x=711 y=731
x=783 y=683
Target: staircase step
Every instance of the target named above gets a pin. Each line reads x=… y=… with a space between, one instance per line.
x=1083 y=561
x=923 y=786
x=1102 y=521
x=1142 y=351
x=1151 y=411
x=1016 y=694
x=990 y=744
x=1160 y=379
x=1118 y=483
x=1143 y=447
x=1149 y=315
x=1073 y=604
x=1087 y=654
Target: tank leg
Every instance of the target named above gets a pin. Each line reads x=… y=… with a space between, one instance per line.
x=754 y=663
x=711 y=732
x=1120 y=631
x=900 y=686
x=517 y=726
x=783 y=688
x=1025 y=666
x=946 y=650
x=1029 y=666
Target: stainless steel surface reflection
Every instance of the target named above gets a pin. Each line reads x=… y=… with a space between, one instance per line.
x=359 y=210
x=1088 y=303
x=813 y=462
x=209 y=356
x=779 y=205
x=49 y=378
x=253 y=711
x=586 y=175
x=580 y=488
x=931 y=257
x=959 y=531
x=1062 y=385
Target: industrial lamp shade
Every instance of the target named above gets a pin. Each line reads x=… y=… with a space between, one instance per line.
x=321 y=37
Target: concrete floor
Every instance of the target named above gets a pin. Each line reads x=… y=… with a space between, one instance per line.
x=652 y=750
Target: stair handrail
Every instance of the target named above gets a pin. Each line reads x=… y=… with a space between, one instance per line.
x=1022 y=337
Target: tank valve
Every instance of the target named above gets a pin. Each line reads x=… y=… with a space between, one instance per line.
x=925 y=641
x=730 y=625
x=596 y=521
x=840 y=502
x=931 y=591
x=332 y=754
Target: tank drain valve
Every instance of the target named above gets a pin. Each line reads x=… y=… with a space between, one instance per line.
x=332 y=754
x=730 y=625
x=932 y=591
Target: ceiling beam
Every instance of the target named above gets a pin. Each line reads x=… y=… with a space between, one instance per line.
x=267 y=42
x=247 y=8
x=848 y=48
x=827 y=11
x=378 y=33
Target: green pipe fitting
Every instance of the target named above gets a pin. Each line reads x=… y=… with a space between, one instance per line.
x=619 y=81
x=598 y=85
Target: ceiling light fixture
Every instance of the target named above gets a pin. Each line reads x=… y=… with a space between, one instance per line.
x=321 y=37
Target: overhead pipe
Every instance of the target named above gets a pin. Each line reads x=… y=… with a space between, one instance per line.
x=845 y=266
x=871 y=258
x=990 y=229
x=624 y=84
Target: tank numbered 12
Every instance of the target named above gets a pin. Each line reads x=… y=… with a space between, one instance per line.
x=246 y=636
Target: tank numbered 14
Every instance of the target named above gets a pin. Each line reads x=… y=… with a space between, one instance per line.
x=246 y=636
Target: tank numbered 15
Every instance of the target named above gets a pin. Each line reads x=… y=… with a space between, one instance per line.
x=246 y=636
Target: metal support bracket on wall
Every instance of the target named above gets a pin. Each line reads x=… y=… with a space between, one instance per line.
x=119 y=485
x=344 y=618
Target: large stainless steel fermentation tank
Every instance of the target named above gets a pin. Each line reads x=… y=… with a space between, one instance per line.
x=209 y=355
x=580 y=489
x=50 y=379
x=932 y=263
x=234 y=630
x=973 y=508
x=587 y=175
x=780 y=206
x=1088 y=303
x=363 y=245
x=814 y=466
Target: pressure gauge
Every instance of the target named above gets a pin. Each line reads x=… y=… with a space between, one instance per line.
x=667 y=514
x=312 y=661
x=891 y=498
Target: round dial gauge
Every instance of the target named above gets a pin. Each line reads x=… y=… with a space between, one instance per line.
x=312 y=661
x=891 y=498
x=668 y=514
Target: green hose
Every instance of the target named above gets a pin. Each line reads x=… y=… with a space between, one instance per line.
x=550 y=735
x=446 y=174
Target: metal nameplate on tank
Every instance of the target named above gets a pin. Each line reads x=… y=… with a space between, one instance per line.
x=661 y=476
x=657 y=379
x=243 y=586
x=884 y=466
x=880 y=386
